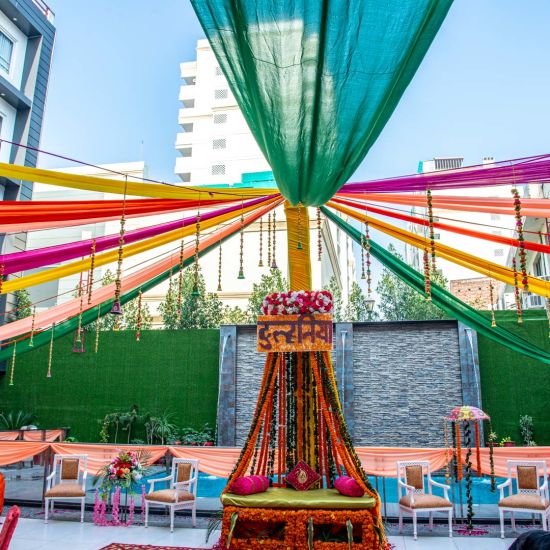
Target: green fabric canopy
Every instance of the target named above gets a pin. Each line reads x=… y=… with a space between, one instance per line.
x=317 y=80
x=442 y=298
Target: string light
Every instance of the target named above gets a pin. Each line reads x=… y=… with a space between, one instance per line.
x=319 y=242
x=261 y=260
x=269 y=240
x=31 y=339
x=517 y=295
x=91 y=273
x=299 y=246
x=50 y=353
x=117 y=309
x=12 y=370
x=241 y=271
x=273 y=256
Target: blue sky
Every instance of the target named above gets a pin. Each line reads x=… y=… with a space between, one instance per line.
x=482 y=90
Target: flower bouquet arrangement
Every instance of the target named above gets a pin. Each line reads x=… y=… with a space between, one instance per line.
x=298 y=302
x=123 y=472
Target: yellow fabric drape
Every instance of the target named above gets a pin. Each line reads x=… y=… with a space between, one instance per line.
x=112 y=256
x=299 y=264
x=139 y=189
x=487 y=268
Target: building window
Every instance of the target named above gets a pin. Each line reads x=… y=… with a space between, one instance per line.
x=218 y=169
x=219 y=71
x=499 y=252
x=6 y=52
x=219 y=144
x=220 y=118
x=495 y=217
x=220 y=94
x=185 y=177
x=538 y=266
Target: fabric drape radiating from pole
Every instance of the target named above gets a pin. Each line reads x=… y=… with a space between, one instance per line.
x=317 y=81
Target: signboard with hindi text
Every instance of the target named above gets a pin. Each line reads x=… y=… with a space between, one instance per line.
x=310 y=332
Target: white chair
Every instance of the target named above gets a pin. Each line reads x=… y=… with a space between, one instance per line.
x=410 y=479
x=531 y=497
x=71 y=472
x=181 y=492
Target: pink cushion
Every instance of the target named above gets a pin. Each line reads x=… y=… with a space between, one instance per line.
x=9 y=527
x=249 y=485
x=348 y=487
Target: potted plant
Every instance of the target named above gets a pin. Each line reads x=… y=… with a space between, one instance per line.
x=507 y=442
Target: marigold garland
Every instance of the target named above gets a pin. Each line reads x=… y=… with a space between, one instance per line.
x=274 y=244
x=50 y=353
x=91 y=272
x=517 y=295
x=521 y=239
x=261 y=260
x=31 y=339
x=219 y=289
x=241 y=251
x=431 y=227
x=138 y=320
x=367 y=255
x=492 y=296
x=269 y=240
x=196 y=256
x=427 y=281
x=319 y=241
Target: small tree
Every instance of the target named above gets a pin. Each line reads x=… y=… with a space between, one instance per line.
x=23 y=304
x=356 y=308
x=234 y=316
x=400 y=302
x=336 y=292
x=269 y=283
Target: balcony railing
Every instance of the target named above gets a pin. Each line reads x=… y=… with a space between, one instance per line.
x=45 y=9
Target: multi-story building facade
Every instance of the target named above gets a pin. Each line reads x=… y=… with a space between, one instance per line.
x=216 y=147
x=491 y=223
x=26 y=44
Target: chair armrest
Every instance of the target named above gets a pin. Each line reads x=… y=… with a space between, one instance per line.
x=50 y=477
x=544 y=488
x=409 y=488
x=157 y=480
x=441 y=486
x=505 y=484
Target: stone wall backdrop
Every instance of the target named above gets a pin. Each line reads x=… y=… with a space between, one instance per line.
x=397 y=380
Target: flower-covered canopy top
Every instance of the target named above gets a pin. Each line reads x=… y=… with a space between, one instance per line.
x=466 y=413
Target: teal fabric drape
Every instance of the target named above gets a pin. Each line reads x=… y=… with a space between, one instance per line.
x=442 y=298
x=317 y=80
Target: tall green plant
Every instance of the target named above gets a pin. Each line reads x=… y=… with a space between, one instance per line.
x=15 y=420
x=269 y=283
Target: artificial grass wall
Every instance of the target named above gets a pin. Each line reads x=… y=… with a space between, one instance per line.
x=512 y=384
x=168 y=370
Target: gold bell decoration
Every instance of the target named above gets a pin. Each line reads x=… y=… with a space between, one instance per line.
x=273 y=255
x=319 y=241
x=269 y=240
x=261 y=260
x=220 y=269
x=241 y=255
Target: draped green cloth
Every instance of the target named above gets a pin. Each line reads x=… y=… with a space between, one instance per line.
x=317 y=80
x=442 y=298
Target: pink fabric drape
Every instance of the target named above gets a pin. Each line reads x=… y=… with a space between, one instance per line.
x=38 y=435
x=100 y=455
x=9 y=436
x=216 y=461
x=503 y=454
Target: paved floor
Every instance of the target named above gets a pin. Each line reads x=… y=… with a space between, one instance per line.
x=33 y=534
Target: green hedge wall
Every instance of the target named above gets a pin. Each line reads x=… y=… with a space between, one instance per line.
x=173 y=371
x=513 y=385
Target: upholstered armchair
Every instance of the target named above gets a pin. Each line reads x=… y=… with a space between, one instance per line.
x=412 y=495
x=67 y=482
x=530 y=497
x=181 y=492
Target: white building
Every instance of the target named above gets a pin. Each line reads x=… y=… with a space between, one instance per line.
x=495 y=224
x=216 y=147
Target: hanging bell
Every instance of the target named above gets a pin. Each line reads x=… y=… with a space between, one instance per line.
x=117 y=308
x=241 y=274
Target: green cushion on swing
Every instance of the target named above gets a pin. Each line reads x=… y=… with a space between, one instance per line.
x=279 y=497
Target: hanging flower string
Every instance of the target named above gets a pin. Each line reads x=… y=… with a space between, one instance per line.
x=319 y=242
x=138 y=320
x=241 y=252
x=97 y=328
x=1 y=276
x=492 y=296
x=50 y=353
x=427 y=282
x=180 y=281
x=78 y=339
x=261 y=261
x=12 y=370
x=431 y=227
x=517 y=292
x=269 y=240
x=367 y=255
x=273 y=256
x=31 y=339
x=117 y=310
x=91 y=272
x=220 y=268
x=521 y=239
x=363 y=276
x=299 y=246
x=196 y=257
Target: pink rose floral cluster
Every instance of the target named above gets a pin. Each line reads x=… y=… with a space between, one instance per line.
x=298 y=302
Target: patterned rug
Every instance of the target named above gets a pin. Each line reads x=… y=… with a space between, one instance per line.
x=118 y=546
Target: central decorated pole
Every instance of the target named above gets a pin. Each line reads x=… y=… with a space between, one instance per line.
x=299 y=259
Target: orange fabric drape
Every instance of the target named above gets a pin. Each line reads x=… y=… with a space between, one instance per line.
x=216 y=461
x=100 y=455
x=15 y=451
x=9 y=436
x=38 y=435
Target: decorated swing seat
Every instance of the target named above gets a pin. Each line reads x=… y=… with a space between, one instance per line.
x=281 y=497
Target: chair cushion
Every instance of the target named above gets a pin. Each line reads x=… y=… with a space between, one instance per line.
x=349 y=487
x=531 y=502
x=414 y=476
x=425 y=501
x=169 y=495
x=249 y=485
x=184 y=472
x=66 y=490
x=527 y=477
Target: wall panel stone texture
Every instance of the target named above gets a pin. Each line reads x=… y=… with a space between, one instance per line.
x=406 y=377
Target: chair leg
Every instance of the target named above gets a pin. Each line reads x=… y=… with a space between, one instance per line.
x=146 y=514
x=414 y=525
x=501 y=515
x=46 y=510
x=171 y=519
x=513 y=521
x=82 y=510
x=431 y=521
x=400 y=520
x=194 y=515
x=544 y=522
x=451 y=523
